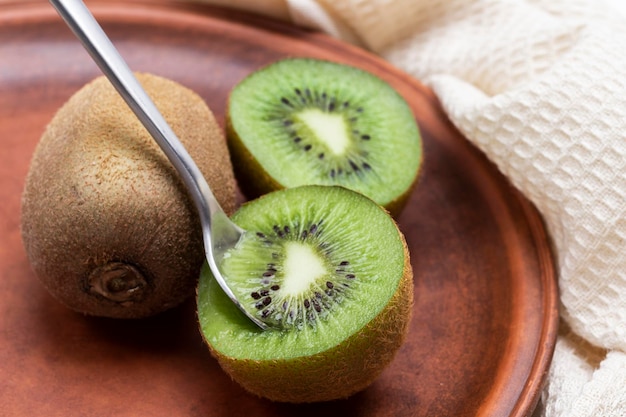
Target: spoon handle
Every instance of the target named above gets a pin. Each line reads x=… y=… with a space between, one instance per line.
x=218 y=231
x=88 y=31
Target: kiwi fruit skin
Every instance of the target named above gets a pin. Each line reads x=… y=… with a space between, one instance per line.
x=335 y=373
x=107 y=224
x=255 y=180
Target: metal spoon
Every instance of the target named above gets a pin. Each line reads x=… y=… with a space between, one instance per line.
x=219 y=233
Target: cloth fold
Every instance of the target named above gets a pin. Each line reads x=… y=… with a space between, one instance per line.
x=540 y=87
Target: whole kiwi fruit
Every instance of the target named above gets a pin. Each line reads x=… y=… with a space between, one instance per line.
x=328 y=270
x=106 y=221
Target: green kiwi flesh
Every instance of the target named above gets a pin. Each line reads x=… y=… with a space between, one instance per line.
x=106 y=222
x=307 y=121
x=330 y=270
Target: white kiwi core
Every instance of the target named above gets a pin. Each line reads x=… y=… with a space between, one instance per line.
x=331 y=129
x=302 y=268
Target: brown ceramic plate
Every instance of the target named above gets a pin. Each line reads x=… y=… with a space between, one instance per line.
x=486 y=311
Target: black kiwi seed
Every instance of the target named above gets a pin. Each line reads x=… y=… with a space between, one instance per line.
x=286 y=101
x=307 y=303
x=275 y=287
x=365 y=137
x=263 y=293
x=307 y=147
x=329 y=285
x=255 y=295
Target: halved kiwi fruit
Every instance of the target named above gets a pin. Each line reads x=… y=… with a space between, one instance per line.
x=107 y=223
x=307 y=121
x=329 y=269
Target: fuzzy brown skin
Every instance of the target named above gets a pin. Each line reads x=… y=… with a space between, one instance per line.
x=106 y=222
x=255 y=181
x=339 y=372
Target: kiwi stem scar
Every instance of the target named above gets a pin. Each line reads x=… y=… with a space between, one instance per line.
x=219 y=232
x=118 y=282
